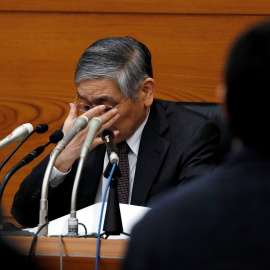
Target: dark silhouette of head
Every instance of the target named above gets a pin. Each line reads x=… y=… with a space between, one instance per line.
x=247 y=80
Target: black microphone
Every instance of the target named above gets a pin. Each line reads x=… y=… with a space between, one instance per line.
x=41 y=128
x=54 y=138
x=107 y=137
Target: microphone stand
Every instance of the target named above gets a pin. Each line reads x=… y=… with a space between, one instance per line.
x=43 y=212
x=8 y=176
x=79 y=124
x=16 y=148
x=9 y=228
x=113 y=221
x=94 y=126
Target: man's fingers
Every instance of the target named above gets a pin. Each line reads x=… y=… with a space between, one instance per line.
x=73 y=112
x=94 y=112
x=109 y=117
x=109 y=123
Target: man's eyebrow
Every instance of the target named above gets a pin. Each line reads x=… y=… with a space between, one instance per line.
x=80 y=96
x=103 y=98
x=98 y=98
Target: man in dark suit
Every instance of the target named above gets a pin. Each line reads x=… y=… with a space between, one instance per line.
x=221 y=221
x=168 y=144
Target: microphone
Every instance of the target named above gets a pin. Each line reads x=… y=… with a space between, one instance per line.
x=17 y=134
x=54 y=138
x=94 y=126
x=79 y=124
x=107 y=137
x=41 y=128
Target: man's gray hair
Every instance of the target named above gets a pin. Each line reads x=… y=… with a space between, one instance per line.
x=123 y=60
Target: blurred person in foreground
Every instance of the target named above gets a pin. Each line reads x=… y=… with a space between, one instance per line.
x=11 y=255
x=221 y=221
x=169 y=144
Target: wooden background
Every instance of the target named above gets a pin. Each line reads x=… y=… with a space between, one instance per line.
x=41 y=42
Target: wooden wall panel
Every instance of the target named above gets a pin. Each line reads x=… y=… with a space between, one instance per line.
x=257 y=7
x=39 y=52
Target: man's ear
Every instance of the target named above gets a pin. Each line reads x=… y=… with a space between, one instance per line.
x=147 y=91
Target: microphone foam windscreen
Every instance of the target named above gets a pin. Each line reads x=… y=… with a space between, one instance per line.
x=41 y=128
x=106 y=132
x=56 y=136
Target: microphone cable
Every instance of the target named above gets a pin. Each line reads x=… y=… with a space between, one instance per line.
x=41 y=128
x=101 y=214
x=32 y=247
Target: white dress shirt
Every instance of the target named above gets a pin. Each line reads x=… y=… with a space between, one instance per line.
x=134 y=142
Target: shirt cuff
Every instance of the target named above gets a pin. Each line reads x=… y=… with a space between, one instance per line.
x=57 y=177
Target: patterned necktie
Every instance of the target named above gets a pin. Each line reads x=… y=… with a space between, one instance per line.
x=123 y=181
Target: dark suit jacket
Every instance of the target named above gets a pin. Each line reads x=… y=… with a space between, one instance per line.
x=176 y=145
x=218 y=222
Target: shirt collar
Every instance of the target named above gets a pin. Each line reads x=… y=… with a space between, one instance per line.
x=134 y=141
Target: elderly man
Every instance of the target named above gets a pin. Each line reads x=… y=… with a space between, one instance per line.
x=168 y=144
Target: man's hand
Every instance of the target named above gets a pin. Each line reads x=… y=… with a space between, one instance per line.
x=65 y=160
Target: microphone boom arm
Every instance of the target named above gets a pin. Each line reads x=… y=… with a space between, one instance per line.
x=43 y=213
x=27 y=159
x=79 y=124
x=94 y=126
x=8 y=176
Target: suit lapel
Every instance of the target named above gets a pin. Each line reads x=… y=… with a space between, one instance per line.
x=153 y=148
